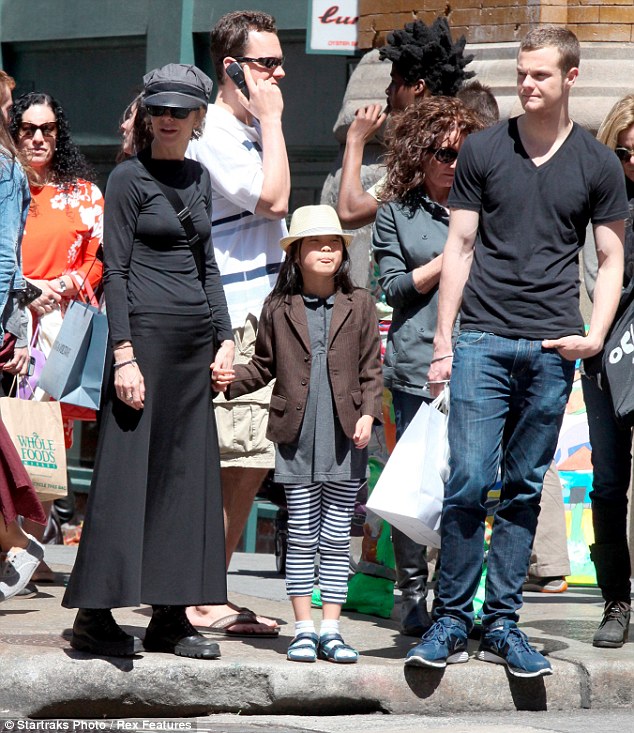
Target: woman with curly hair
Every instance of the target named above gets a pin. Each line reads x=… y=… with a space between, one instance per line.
x=408 y=239
x=64 y=226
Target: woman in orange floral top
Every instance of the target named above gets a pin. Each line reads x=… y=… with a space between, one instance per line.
x=64 y=227
x=63 y=230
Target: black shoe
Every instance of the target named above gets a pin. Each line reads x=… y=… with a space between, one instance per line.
x=170 y=631
x=613 y=629
x=96 y=632
x=415 y=619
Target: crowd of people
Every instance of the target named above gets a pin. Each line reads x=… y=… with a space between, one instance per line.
x=238 y=346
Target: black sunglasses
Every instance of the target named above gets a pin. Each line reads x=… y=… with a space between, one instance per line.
x=178 y=113
x=624 y=154
x=48 y=129
x=270 y=62
x=445 y=155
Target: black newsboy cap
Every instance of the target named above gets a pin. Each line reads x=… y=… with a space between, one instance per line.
x=177 y=85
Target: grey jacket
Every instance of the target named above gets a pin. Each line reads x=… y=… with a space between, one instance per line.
x=402 y=240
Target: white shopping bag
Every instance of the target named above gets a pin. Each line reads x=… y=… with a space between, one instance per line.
x=410 y=491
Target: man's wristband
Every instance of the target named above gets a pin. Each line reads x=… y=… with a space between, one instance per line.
x=440 y=358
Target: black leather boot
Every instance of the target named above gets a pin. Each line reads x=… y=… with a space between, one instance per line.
x=411 y=578
x=96 y=632
x=614 y=627
x=612 y=563
x=170 y=631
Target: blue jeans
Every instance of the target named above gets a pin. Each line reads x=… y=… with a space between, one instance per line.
x=507 y=402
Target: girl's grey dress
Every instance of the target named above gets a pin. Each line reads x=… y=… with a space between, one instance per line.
x=323 y=452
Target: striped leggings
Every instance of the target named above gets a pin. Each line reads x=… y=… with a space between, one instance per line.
x=319 y=517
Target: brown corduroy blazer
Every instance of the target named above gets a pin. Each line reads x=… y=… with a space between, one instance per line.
x=282 y=352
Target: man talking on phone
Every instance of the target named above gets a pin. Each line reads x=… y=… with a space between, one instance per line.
x=243 y=148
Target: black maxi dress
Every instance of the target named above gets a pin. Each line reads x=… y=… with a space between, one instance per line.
x=154 y=526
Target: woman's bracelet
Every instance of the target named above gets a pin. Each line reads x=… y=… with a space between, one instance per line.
x=440 y=358
x=119 y=364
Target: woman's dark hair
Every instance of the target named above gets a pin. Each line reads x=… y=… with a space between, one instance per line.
x=413 y=136
x=290 y=280
x=141 y=129
x=68 y=163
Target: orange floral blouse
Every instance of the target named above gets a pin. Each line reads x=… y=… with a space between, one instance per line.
x=63 y=233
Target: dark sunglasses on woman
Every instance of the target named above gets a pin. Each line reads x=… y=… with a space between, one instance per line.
x=445 y=155
x=178 y=113
x=624 y=154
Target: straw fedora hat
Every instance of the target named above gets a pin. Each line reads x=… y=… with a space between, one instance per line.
x=313 y=221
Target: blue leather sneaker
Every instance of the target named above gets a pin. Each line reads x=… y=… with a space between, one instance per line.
x=445 y=643
x=504 y=643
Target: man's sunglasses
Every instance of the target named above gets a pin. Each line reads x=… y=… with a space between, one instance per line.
x=445 y=155
x=178 y=113
x=48 y=129
x=624 y=154
x=270 y=62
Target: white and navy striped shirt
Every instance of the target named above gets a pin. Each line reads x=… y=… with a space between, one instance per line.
x=247 y=246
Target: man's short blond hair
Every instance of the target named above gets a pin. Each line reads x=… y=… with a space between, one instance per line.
x=558 y=37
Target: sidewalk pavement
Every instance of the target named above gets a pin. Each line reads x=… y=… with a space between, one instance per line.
x=42 y=677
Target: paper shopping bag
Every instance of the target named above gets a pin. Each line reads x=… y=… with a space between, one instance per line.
x=410 y=490
x=618 y=360
x=38 y=434
x=74 y=368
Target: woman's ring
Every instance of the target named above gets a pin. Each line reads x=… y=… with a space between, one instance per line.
x=130 y=398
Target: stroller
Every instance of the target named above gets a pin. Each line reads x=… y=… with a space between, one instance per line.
x=274 y=493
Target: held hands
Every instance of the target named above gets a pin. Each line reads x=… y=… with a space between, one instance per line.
x=362 y=431
x=574 y=347
x=367 y=121
x=265 y=97
x=49 y=300
x=222 y=373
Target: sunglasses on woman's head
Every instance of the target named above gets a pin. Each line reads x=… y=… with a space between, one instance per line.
x=178 y=113
x=624 y=154
x=445 y=155
x=270 y=62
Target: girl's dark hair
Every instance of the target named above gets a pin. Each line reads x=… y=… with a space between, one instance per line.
x=68 y=162
x=413 y=136
x=290 y=280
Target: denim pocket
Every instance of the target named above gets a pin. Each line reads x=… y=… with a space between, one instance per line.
x=470 y=338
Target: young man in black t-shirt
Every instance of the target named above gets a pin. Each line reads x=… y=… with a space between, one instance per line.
x=528 y=187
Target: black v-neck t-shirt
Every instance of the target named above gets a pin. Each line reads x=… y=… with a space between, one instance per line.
x=524 y=279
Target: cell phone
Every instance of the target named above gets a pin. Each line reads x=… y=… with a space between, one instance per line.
x=235 y=73
x=28 y=294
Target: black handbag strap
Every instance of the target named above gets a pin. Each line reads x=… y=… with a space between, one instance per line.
x=185 y=217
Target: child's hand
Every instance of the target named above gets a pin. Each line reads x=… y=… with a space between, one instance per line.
x=222 y=373
x=362 y=431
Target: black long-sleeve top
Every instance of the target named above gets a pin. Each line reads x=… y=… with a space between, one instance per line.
x=149 y=266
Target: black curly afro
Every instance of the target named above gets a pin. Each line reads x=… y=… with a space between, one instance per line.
x=419 y=51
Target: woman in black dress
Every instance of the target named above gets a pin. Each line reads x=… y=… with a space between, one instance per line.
x=154 y=527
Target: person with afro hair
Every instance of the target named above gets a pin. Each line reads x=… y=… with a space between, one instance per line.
x=425 y=62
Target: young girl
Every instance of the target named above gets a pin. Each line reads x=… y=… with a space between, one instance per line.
x=318 y=337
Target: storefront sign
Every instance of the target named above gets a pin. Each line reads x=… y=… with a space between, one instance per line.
x=332 y=27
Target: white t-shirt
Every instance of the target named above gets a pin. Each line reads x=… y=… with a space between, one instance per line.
x=247 y=246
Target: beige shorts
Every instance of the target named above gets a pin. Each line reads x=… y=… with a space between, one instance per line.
x=242 y=421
